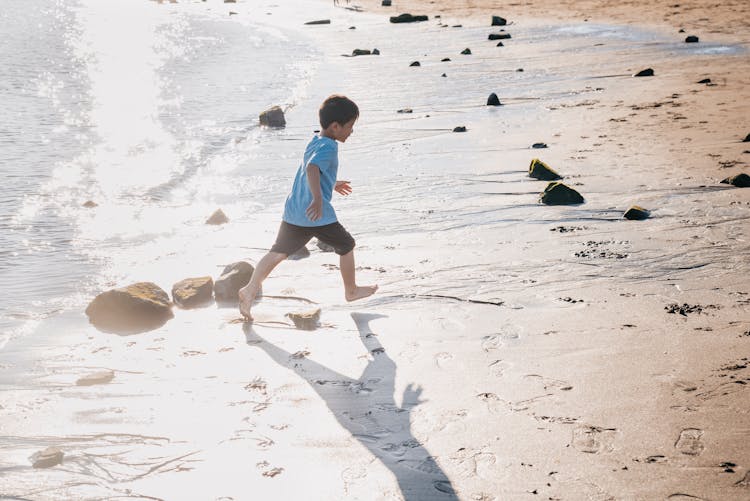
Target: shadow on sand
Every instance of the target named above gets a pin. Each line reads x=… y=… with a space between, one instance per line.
x=367 y=408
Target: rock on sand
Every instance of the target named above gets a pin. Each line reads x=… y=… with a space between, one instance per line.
x=542 y=171
x=740 y=180
x=408 y=18
x=49 y=457
x=493 y=100
x=636 y=213
x=499 y=21
x=234 y=277
x=218 y=217
x=139 y=307
x=193 y=292
x=648 y=72
x=305 y=320
x=560 y=194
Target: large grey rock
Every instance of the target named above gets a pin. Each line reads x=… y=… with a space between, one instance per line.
x=408 y=18
x=540 y=170
x=49 y=457
x=234 y=277
x=740 y=180
x=193 y=292
x=273 y=117
x=138 y=307
x=558 y=193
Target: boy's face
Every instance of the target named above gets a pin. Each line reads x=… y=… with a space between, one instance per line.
x=342 y=132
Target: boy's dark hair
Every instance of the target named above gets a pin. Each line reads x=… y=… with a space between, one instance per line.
x=339 y=109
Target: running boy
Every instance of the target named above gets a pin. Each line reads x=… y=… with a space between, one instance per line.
x=308 y=211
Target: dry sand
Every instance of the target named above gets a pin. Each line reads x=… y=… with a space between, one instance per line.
x=501 y=359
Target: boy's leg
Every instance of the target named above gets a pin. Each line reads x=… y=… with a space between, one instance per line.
x=352 y=291
x=342 y=242
x=262 y=270
x=289 y=239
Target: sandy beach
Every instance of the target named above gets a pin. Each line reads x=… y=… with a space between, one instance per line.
x=514 y=350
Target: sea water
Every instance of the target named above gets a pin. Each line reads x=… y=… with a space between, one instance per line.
x=148 y=110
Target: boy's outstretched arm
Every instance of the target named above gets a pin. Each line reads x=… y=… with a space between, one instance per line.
x=315 y=209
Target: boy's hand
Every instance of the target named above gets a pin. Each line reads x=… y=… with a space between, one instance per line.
x=315 y=209
x=343 y=187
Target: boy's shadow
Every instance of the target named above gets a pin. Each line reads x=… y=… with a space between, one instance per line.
x=367 y=408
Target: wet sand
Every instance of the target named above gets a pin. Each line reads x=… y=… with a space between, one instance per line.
x=514 y=350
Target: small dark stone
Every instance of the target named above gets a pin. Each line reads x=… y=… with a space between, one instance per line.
x=232 y=13
x=415 y=63
x=558 y=193
x=361 y=52
x=648 y=72
x=542 y=171
x=500 y=44
x=445 y=60
x=682 y=30
x=352 y=27
x=443 y=75
x=740 y=180
x=747 y=139
x=375 y=52
x=386 y=3
x=537 y=146
x=457 y=26
x=460 y=128
x=704 y=81
x=493 y=100
x=320 y=21
x=692 y=39
x=636 y=213
x=466 y=51
x=405 y=110
x=408 y=18
x=520 y=70
x=498 y=36
x=499 y=21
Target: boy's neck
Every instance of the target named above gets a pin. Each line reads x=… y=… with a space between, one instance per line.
x=327 y=133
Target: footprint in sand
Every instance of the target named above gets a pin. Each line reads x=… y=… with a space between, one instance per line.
x=473 y=463
x=593 y=439
x=690 y=442
x=745 y=482
x=443 y=359
x=550 y=383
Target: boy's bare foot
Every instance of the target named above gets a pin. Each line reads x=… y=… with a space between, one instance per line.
x=246 y=302
x=360 y=292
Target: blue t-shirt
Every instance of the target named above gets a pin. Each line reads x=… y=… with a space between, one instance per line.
x=323 y=152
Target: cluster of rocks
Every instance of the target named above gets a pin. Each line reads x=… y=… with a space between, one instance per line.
x=144 y=306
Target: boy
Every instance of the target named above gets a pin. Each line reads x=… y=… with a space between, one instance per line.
x=308 y=211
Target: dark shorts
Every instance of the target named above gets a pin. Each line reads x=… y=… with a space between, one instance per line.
x=291 y=238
